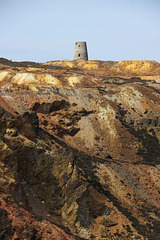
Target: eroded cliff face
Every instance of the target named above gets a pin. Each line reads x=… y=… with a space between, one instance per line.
x=80 y=150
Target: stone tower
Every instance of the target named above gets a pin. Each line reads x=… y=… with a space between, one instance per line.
x=80 y=51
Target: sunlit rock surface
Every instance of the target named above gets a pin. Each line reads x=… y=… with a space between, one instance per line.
x=80 y=150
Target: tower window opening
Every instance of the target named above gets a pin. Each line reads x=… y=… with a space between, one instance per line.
x=79 y=55
x=78 y=45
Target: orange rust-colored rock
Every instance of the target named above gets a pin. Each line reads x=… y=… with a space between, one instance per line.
x=79 y=149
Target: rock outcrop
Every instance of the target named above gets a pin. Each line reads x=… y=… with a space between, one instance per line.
x=80 y=150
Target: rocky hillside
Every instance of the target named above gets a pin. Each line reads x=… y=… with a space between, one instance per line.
x=80 y=150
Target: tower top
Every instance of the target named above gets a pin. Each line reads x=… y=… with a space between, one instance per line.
x=80 y=51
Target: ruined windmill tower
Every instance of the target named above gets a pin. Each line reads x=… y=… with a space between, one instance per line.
x=80 y=51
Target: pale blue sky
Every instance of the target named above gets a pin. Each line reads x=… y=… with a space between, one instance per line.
x=44 y=30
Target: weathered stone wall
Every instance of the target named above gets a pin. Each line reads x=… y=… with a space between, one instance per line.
x=80 y=51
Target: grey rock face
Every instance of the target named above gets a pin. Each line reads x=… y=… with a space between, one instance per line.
x=80 y=51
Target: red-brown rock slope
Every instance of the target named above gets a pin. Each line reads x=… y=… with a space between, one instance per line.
x=80 y=150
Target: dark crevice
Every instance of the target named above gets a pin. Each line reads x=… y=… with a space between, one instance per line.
x=151 y=146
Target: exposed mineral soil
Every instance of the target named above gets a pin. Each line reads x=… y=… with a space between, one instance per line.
x=80 y=150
